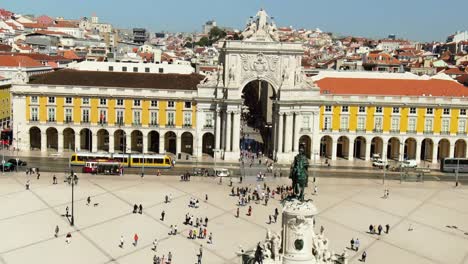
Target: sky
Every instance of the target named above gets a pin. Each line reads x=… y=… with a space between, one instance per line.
x=418 y=20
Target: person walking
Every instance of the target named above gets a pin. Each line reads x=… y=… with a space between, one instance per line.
x=169 y=257
x=315 y=190
x=27 y=185
x=249 y=213
x=387 y=228
x=237 y=212
x=210 y=238
x=380 y=229
x=54 y=180
x=200 y=250
x=66 y=211
x=357 y=243
x=135 y=208
x=352 y=243
x=68 y=238
x=88 y=200
x=140 y=208
x=121 y=241
x=155 y=244
x=56 y=231
x=135 y=239
x=162 y=215
x=175 y=230
x=363 y=256
x=371 y=229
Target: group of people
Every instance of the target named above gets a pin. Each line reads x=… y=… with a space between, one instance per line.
x=137 y=209
x=378 y=229
x=185 y=177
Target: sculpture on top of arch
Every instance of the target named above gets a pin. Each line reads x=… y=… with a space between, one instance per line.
x=260 y=29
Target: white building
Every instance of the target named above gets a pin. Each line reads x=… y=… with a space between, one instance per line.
x=132 y=67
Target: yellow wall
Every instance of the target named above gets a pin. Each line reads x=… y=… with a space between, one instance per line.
x=94 y=110
x=353 y=110
x=77 y=110
x=145 y=114
x=370 y=118
x=387 y=111
x=128 y=114
x=336 y=117
x=179 y=116
x=162 y=112
x=42 y=108
x=421 y=117
x=322 y=109
x=5 y=103
x=111 y=111
x=437 y=125
x=28 y=108
x=455 y=113
x=194 y=115
x=59 y=112
x=404 y=119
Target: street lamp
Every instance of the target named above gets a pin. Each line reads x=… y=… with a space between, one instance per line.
x=400 y=157
x=71 y=180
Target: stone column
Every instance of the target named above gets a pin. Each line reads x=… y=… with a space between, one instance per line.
x=128 y=143
x=435 y=147
x=351 y=149
x=279 y=148
x=334 y=149
x=59 y=142
x=77 y=141
x=94 y=145
x=297 y=126
x=218 y=129
x=162 y=148
x=418 y=151
x=452 y=150
x=111 y=143
x=236 y=132
x=144 y=143
x=43 y=142
x=178 y=144
x=368 y=149
x=384 y=149
x=228 y=130
x=288 y=136
x=401 y=152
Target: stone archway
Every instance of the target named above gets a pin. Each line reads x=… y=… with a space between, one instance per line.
x=153 y=141
x=35 y=138
x=377 y=147
x=186 y=141
x=170 y=142
x=360 y=148
x=52 y=138
x=69 y=139
x=86 y=138
x=410 y=149
x=120 y=144
x=443 y=149
x=460 y=149
x=326 y=147
x=136 y=141
x=342 y=147
x=103 y=140
x=307 y=143
x=393 y=149
x=208 y=141
x=427 y=147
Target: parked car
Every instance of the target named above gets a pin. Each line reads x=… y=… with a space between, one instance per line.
x=7 y=166
x=221 y=172
x=379 y=163
x=20 y=162
x=408 y=164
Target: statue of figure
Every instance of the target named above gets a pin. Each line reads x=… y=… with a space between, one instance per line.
x=262 y=19
x=258 y=257
x=275 y=246
x=299 y=174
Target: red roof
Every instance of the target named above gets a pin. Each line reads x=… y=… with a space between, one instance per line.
x=34 y=25
x=455 y=71
x=64 y=23
x=70 y=54
x=15 y=61
x=50 y=32
x=396 y=87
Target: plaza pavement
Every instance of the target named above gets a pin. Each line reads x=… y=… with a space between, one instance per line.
x=347 y=207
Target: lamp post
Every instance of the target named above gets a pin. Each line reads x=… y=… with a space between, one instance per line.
x=71 y=181
x=456 y=172
x=400 y=157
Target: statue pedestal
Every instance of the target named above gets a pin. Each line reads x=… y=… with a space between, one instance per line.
x=298 y=232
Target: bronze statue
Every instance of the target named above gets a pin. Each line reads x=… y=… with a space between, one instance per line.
x=299 y=174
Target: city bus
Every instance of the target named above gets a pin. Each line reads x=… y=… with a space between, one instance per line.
x=452 y=164
x=159 y=161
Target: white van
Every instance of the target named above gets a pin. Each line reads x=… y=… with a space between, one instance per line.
x=221 y=172
x=409 y=164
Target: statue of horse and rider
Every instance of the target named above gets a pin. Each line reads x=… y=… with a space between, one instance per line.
x=299 y=174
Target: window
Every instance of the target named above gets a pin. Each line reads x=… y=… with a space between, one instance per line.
x=412 y=124
x=306 y=121
x=111 y=68
x=86 y=101
x=361 y=123
x=102 y=116
x=103 y=101
x=445 y=125
x=51 y=100
x=154 y=103
x=362 y=109
x=396 y=110
x=378 y=123
x=161 y=70
x=147 y=69
x=135 y=69
x=68 y=100
x=68 y=115
x=51 y=114
x=429 y=111
x=170 y=118
x=395 y=124
x=136 y=102
x=344 y=122
x=34 y=99
x=463 y=112
x=428 y=125
x=446 y=111
x=209 y=120
x=34 y=115
x=120 y=102
x=187 y=119
x=378 y=109
x=170 y=104
x=85 y=115
x=328 y=108
x=120 y=117
x=124 y=69
x=412 y=110
x=327 y=123
x=188 y=105
x=136 y=117
x=461 y=126
x=154 y=118
x=344 y=109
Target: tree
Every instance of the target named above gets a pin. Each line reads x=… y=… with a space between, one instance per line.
x=216 y=33
x=204 y=41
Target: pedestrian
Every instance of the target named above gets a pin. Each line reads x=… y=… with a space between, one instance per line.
x=364 y=256
x=352 y=243
x=357 y=243
x=155 y=244
x=169 y=257
x=54 y=180
x=315 y=189
x=27 y=185
x=380 y=229
x=66 y=211
x=410 y=228
x=88 y=200
x=121 y=241
x=388 y=193
x=249 y=213
x=387 y=227
x=135 y=239
x=140 y=209
x=135 y=208
x=175 y=230
x=199 y=257
x=166 y=200
x=275 y=217
x=68 y=238
x=56 y=231
x=210 y=238
x=371 y=229
x=237 y=212
x=206 y=221
x=162 y=215
x=172 y=230
x=200 y=250
x=38 y=175
x=269 y=219
x=206 y=197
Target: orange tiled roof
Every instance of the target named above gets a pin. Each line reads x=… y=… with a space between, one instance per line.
x=15 y=61
x=395 y=87
x=71 y=55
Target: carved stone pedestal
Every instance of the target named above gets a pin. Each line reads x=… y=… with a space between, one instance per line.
x=298 y=232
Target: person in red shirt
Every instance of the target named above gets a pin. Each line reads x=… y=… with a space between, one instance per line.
x=135 y=238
